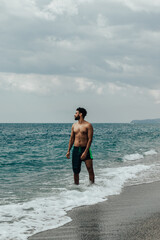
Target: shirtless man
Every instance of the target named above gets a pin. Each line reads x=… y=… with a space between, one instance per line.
x=81 y=136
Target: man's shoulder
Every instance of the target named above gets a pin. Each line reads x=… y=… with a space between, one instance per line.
x=74 y=124
x=88 y=124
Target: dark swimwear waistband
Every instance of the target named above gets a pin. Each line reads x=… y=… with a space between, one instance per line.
x=79 y=147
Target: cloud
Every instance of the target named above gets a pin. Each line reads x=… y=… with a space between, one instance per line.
x=47 y=84
x=106 y=49
x=31 y=83
x=25 y=8
x=82 y=39
x=128 y=66
x=155 y=93
x=83 y=84
x=87 y=85
x=102 y=21
x=114 y=88
x=47 y=10
x=109 y=88
x=56 y=7
x=142 y=5
x=52 y=85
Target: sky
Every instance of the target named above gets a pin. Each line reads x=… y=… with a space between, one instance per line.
x=57 y=55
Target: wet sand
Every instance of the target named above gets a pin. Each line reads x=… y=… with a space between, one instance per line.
x=132 y=215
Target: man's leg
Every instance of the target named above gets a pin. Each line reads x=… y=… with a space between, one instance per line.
x=76 y=164
x=89 y=166
x=76 y=179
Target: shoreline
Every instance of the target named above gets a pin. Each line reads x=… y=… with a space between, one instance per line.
x=134 y=214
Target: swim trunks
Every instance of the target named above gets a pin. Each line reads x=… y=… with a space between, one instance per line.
x=76 y=158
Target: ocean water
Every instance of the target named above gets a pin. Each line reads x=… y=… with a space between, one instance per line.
x=36 y=179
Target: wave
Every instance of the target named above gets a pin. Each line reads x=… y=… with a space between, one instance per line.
x=132 y=157
x=24 y=219
x=137 y=156
x=151 y=152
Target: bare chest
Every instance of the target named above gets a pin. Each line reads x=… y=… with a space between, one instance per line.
x=80 y=130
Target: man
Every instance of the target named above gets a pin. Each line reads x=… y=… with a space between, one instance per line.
x=81 y=136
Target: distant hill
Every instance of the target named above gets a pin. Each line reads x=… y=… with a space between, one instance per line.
x=157 y=120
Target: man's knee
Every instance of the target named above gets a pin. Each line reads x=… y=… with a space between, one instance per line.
x=76 y=171
x=76 y=175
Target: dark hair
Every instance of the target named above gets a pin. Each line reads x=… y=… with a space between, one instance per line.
x=83 y=111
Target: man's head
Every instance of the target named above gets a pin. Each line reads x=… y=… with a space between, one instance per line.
x=80 y=112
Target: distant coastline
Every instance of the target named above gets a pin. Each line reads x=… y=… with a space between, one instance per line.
x=157 y=120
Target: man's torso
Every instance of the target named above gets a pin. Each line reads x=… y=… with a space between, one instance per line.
x=81 y=134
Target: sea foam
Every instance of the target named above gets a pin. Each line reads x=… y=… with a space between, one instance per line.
x=132 y=157
x=19 y=221
x=151 y=152
x=137 y=156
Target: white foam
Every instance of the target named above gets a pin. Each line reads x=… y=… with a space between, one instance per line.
x=137 y=156
x=151 y=152
x=18 y=221
x=132 y=157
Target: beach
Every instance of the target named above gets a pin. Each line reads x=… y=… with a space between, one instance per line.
x=37 y=193
x=132 y=215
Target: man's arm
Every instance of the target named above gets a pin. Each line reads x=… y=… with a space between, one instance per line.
x=90 y=137
x=71 y=141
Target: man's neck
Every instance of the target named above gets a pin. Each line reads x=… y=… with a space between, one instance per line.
x=81 y=120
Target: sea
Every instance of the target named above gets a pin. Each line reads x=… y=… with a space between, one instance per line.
x=36 y=179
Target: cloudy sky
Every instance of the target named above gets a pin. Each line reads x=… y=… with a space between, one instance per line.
x=57 y=55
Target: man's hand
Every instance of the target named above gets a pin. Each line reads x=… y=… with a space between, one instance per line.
x=68 y=155
x=83 y=156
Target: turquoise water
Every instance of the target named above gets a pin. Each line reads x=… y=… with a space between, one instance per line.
x=31 y=154
x=36 y=178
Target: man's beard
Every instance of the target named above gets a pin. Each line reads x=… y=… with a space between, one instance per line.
x=77 y=118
